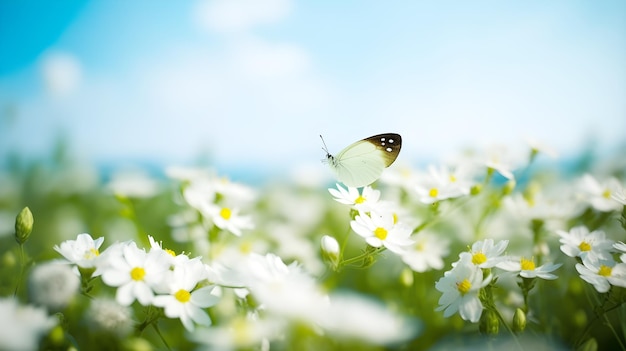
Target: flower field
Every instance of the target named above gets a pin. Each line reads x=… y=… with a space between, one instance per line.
x=492 y=249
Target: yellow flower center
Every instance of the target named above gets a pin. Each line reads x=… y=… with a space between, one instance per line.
x=137 y=273
x=245 y=247
x=171 y=252
x=464 y=286
x=584 y=246
x=241 y=331
x=419 y=246
x=527 y=265
x=92 y=253
x=395 y=218
x=479 y=258
x=452 y=178
x=360 y=200
x=605 y=271
x=380 y=233
x=606 y=194
x=433 y=192
x=182 y=295
x=226 y=213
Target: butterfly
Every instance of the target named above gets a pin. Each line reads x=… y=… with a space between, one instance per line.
x=362 y=162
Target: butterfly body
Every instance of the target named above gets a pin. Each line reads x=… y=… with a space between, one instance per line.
x=362 y=162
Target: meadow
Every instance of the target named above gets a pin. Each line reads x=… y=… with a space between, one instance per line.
x=518 y=250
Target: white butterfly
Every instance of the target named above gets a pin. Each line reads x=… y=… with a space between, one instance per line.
x=363 y=162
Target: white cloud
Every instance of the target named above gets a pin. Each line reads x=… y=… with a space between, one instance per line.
x=239 y=15
x=61 y=73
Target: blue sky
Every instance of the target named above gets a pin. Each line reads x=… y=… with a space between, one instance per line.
x=253 y=83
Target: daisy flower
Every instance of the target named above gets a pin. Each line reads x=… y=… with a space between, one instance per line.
x=184 y=300
x=364 y=202
x=227 y=218
x=284 y=290
x=526 y=268
x=426 y=253
x=619 y=195
x=537 y=147
x=382 y=231
x=460 y=287
x=486 y=254
x=441 y=184
x=603 y=273
x=241 y=332
x=600 y=195
x=135 y=273
x=82 y=252
x=199 y=194
x=499 y=160
x=357 y=317
x=578 y=242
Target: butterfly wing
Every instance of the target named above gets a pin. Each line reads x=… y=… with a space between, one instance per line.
x=362 y=162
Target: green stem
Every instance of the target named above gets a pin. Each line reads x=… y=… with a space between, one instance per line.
x=361 y=256
x=22 y=269
x=156 y=329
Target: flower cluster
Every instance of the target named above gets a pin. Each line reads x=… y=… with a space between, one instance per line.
x=287 y=266
x=156 y=277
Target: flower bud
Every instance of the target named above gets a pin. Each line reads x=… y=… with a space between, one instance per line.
x=406 y=277
x=489 y=323
x=56 y=337
x=476 y=189
x=330 y=249
x=23 y=225
x=509 y=187
x=519 y=320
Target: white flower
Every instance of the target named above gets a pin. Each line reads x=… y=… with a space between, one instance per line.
x=199 y=194
x=184 y=300
x=526 y=268
x=460 y=287
x=442 y=183
x=485 y=254
x=382 y=231
x=108 y=316
x=330 y=250
x=228 y=219
x=52 y=285
x=82 y=252
x=619 y=195
x=621 y=247
x=535 y=205
x=426 y=253
x=133 y=184
x=578 y=242
x=360 y=318
x=366 y=201
x=136 y=273
x=242 y=332
x=22 y=326
x=603 y=273
x=600 y=195
x=500 y=161
x=539 y=147
x=330 y=245
x=281 y=289
x=234 y=192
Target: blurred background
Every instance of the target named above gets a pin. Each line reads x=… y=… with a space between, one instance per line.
x=248 y=85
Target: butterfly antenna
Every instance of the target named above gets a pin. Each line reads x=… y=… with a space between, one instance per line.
x=325 y=148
